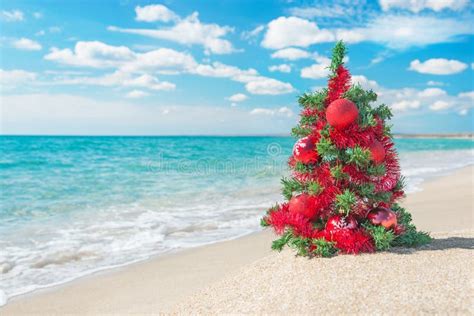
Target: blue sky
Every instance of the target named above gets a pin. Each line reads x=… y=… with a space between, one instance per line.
x=227 y=67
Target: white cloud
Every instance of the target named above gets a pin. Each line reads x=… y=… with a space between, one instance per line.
x=414 y=100
x=416 y=6
x=189 y=31
x=15 y=77
x=351 y=36
x=403 y=31
x=54 y=29
x=321 y=11
x=37 y=15
x=239 y=97
x=163 y=61
x=318 y=70
x=364 y=82
x=440 y=105
x=136 y=94
x=463 y=112
x=281 y=68
x=255 y=83
x=404 y=105
x=431 y=92
x=121 y=79
x=469 y=94
x=435 y=83
x=91 y=54
x=283 y=111
x=438 y=66
x=291 y=53
x=154 y=13
x=394 y=31
x=292 y=31
x=252 y=34
x=260 y=111
x=26 y=44
x=269 y=86
x=220 y=70
x=62 y=114
x=12 y=16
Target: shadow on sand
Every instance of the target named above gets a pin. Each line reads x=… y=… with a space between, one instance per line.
x=439 y=244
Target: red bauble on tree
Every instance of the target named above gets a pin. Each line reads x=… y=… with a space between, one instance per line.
x=341 y=113
x=303 y=204
x=377 y=151
x=305 y=150
x=340 y=222
x=384 y=217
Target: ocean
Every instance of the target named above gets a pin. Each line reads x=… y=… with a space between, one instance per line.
x=71 y=206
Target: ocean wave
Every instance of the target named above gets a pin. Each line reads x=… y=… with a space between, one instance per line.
x=52 y=248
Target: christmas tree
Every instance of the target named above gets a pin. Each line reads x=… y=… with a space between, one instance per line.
x=345 y=177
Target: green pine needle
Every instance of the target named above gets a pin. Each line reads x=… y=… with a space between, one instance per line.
x=314 y=188
x=282 y=241
x=337 y=172
x=382 y=237
x=358 y=155
x=290 y=187
x=327 y=150
x=315 y=100
x=338 y=53
x=412 y=238
x=345 y=200
x=376 y=170
x=300 y=131
x=324 y=248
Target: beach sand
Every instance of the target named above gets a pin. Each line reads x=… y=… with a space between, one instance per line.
x=245 y=276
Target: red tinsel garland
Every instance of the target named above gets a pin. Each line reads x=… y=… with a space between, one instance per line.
x=338 y=84
x=282 y=218
x=352 y=241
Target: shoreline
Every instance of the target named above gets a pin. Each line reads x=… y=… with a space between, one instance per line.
x=204 y=264
x=466 y=135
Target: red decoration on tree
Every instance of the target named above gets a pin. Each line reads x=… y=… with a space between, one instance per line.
x=338 y=84
x=283 y=218
x=337 y=222
x=352 y=241
x=303 y=204
x=383 y=216
x=341 y=113
x=377 y=151
x=305 y=150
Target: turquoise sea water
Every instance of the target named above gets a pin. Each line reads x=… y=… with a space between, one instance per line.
x=74 y=205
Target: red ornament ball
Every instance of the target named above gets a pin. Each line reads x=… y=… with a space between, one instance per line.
x=377 y=151
x=383 y=216
x=341 y=113
x=303 y=204
x=305 y=150
x=337 y=222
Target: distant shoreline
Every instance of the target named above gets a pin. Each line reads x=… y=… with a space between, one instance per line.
x=401 y=135
x=448 y=136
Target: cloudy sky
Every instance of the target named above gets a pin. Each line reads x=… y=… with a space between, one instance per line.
x=227 y=67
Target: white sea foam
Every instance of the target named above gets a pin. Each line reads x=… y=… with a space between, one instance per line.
x=51 y=251
x=419 y=166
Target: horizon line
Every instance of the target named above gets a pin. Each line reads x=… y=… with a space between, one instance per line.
x=458 y=134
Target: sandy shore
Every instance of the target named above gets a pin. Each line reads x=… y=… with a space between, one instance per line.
x=244 y=276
